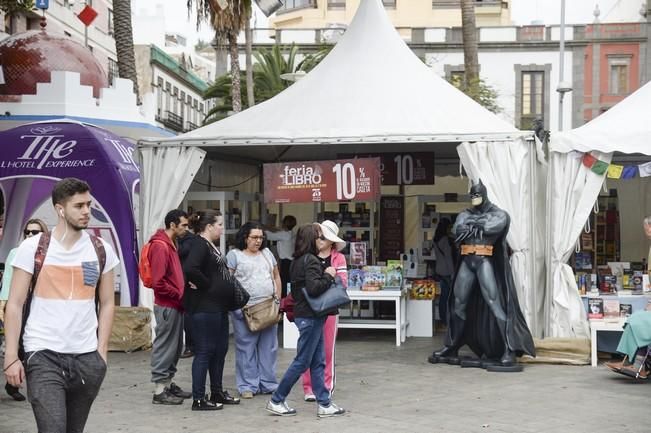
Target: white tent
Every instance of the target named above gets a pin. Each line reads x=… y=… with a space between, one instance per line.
x=372 y=94
x=572 y=191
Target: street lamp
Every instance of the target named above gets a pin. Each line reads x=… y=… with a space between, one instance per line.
x=293 y=76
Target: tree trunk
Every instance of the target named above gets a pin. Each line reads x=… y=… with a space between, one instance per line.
x=249 y=64
x=123 y=31
x=470 y=43
x=235 y=72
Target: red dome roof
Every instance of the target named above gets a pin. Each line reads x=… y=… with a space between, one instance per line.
x=28 y=58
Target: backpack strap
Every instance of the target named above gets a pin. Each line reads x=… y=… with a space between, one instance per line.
x=101 y=258
x=39 y=259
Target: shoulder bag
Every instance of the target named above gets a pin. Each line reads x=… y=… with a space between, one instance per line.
x=266 y=313
x=336 y=296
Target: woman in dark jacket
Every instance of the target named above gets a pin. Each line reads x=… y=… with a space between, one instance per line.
x=205 y=268
x=306 y=271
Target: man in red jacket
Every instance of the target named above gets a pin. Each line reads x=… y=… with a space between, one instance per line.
x=168 y=285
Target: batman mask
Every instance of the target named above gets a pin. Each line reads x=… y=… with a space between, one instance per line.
x=478 y=194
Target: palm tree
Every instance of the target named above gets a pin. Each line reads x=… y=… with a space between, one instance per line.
x=270 y=65
x=228 y=18
x=470 y=43
x=123 y=31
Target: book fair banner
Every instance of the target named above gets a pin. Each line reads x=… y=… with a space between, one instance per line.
x=322 y=181
x=615 y=171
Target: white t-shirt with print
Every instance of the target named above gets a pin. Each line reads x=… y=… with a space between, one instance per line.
x=253 y=272
x=62 y=317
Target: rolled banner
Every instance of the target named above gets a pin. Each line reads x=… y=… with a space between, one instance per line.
x=589 y=160
x=645 y=169
x=599 y=167
x=630 y=171
x=615 y=171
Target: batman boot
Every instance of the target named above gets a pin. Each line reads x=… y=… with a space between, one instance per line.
x=456 y=329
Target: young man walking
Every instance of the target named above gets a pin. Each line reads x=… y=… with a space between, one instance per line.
x=65 y=338
x=168 y=285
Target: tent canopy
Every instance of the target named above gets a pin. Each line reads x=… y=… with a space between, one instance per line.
x=370 y=89
x=625 y=128
x=35 y=156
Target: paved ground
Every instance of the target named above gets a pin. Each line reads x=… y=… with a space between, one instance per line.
x=384 y=389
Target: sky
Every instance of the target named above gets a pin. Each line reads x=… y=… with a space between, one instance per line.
x=522 y=12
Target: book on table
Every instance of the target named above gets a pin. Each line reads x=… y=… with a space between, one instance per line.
x=595 y=308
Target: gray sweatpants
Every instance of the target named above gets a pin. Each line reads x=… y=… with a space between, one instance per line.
x=62 y=387
x=168 y=344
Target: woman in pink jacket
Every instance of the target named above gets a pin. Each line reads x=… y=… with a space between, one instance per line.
x=329 y=245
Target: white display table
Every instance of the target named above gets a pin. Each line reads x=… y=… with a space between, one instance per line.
x=399 y=324
x=597 y=325
x=421 y=318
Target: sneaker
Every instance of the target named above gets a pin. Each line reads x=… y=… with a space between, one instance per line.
x=223 y=397
x=246 y=394
x=280 y=409
x=204 y=404
x=176 y=391
x=309 y=397
x=332 y=410
x=166 y=397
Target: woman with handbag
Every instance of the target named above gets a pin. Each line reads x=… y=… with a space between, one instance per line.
x=208 y=304
x=309 y=279
x=256 y=325
x=329 y=246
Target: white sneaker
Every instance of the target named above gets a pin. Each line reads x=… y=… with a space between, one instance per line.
x=309 y=397
x=332 y=410
x=280 y=409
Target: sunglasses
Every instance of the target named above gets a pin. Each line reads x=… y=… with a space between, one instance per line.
x=32 y=232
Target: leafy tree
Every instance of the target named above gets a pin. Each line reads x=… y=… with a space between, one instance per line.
x=14 y=7
x=478 y=90
x=270 y=65
x=123 y=31
x=228 y=18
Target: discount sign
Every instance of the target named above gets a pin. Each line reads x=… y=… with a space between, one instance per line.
x=315 y=181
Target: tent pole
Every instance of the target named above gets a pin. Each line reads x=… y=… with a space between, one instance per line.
x=533 y=176
x=549 y=226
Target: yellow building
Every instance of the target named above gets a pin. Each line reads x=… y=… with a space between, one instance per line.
x=319 y=14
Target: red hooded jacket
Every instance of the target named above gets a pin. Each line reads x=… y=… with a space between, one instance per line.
x=166 y=272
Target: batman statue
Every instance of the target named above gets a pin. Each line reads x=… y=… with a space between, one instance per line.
x=484 y=312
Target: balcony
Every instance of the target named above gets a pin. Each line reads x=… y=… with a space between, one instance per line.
x=292 y=5
x=189 y=126
x=172 y=121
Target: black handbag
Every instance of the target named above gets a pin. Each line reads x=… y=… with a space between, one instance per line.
x=336 y=296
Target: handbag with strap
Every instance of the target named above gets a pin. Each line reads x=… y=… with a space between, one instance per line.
x=266 y=313
x=262 y=315
x=336 y=296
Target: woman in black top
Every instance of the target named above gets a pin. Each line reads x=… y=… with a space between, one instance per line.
x=307 y=272
x=205 y=269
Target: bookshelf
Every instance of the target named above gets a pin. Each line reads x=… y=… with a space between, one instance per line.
x=236 y=207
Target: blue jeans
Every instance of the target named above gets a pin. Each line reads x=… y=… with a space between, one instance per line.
x=210 y=335
x=309 y=354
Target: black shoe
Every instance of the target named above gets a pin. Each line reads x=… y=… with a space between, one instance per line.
x=508 y=359
x=176 y=391
x=14 y=393
x=187 y=354
x=446 y=352
x=204 y=404
x=224 y=397
x=166 y=397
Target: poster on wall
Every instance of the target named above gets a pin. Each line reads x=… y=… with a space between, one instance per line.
x=414 y=168
x=322 y=181
x=392 y=221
